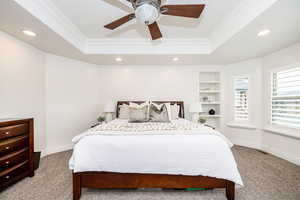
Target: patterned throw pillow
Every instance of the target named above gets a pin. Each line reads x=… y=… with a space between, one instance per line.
x=124 y=111
x=138 y=115
x=159 y=113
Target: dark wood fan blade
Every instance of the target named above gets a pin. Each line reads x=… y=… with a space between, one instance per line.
x=154 y=31
x=193 y=11
x=120 y=22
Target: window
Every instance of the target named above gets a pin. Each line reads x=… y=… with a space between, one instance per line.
x=241 y=87
x=286 y=98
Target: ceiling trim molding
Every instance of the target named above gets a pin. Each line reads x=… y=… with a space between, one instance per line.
x=145 y=46
x=49 y=14
x=242 y=15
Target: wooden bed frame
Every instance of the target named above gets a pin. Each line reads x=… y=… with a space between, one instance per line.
x=108 y=180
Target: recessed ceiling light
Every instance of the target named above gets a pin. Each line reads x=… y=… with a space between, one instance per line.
x=263 y=33
x=175 y=59
x=29 y=33
x=118 y=59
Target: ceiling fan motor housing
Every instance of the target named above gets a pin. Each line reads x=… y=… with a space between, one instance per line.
x=147 y=11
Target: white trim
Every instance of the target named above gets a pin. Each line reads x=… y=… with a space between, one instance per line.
x=242 y=15
x=283 y=155
x=58 y=149
x=239 y=125
x=49 y=14
x=146 y=46
x=285 y=131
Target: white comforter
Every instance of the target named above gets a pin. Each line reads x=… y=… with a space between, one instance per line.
x=200 y=151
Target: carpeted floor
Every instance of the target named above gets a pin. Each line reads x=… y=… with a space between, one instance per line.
x=265 y=177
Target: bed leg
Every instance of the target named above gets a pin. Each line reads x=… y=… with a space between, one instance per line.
x=76 y=186
x=230 y=190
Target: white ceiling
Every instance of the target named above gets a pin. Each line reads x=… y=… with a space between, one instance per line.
x=226 y=33
x=91 y=15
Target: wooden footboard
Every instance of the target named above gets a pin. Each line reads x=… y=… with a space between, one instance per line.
x=108 y=180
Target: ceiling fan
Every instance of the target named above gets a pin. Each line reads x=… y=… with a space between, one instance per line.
x=148 y=12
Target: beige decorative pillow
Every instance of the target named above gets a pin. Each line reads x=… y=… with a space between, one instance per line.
x=138 y=115
x=158 y=113
x=124 y=111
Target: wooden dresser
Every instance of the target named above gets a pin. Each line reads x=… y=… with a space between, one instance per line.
x=16 y=150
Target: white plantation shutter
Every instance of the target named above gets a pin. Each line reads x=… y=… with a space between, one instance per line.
x=241 y=86
x=286 y=98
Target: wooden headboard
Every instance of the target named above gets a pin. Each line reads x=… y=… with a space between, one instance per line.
x=180 y=103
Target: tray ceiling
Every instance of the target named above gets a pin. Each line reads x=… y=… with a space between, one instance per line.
x=225 y=33
x=91 y=15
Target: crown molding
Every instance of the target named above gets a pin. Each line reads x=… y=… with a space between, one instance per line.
x=145 y=46
x=242 y=15
x=50 y=15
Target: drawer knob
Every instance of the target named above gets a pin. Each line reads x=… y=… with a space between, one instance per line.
x=7 y=162
x=7 y=177
x=7 y=133
x=7 y=148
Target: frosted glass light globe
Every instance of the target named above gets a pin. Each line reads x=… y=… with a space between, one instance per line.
x=146 y=14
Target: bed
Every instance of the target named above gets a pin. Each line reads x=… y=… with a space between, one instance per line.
x=155 y=158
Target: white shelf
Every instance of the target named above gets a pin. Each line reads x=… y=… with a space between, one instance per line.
x=210 y=103
x=209 y=82
x=210 y=116
x=209 y=91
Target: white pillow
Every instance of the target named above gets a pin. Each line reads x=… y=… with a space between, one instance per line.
x=168 y=105
x=124 y=111
x=175 y=111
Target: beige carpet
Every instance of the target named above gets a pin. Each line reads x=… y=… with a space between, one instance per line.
x=265 y=177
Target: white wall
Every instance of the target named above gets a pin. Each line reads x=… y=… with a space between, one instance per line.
x=22 y=84
x=152 y=83
x=72 y=100
x=249 y=133
x=77 y=92
x=280 y=145
x=275 y=141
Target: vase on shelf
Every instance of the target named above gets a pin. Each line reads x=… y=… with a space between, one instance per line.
x=212 y=112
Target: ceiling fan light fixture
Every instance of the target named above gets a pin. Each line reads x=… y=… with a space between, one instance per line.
x=147 y=14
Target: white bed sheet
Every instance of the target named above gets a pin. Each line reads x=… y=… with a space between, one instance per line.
x=203 y=152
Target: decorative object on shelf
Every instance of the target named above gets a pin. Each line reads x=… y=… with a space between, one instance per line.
x=195 y=109
x=205 y=99
x=109 y=109
x=202 y=120
x=212 y=112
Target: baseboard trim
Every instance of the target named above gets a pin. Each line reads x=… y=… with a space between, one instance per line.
x=245 y=143
x=58 y=149
x=286 y=156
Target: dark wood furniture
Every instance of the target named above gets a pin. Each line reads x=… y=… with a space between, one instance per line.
x=16 y=151
x=109 y=180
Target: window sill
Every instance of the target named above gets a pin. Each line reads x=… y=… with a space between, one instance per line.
x=282 y=131
x=244 y=126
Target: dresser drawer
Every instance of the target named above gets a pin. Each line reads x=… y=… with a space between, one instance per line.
x=13 y=158
x=14 y=173
x=12 y=131
x=13 y=144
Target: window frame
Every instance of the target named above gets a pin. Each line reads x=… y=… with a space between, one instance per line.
x=248 y=99
x=270 y=89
